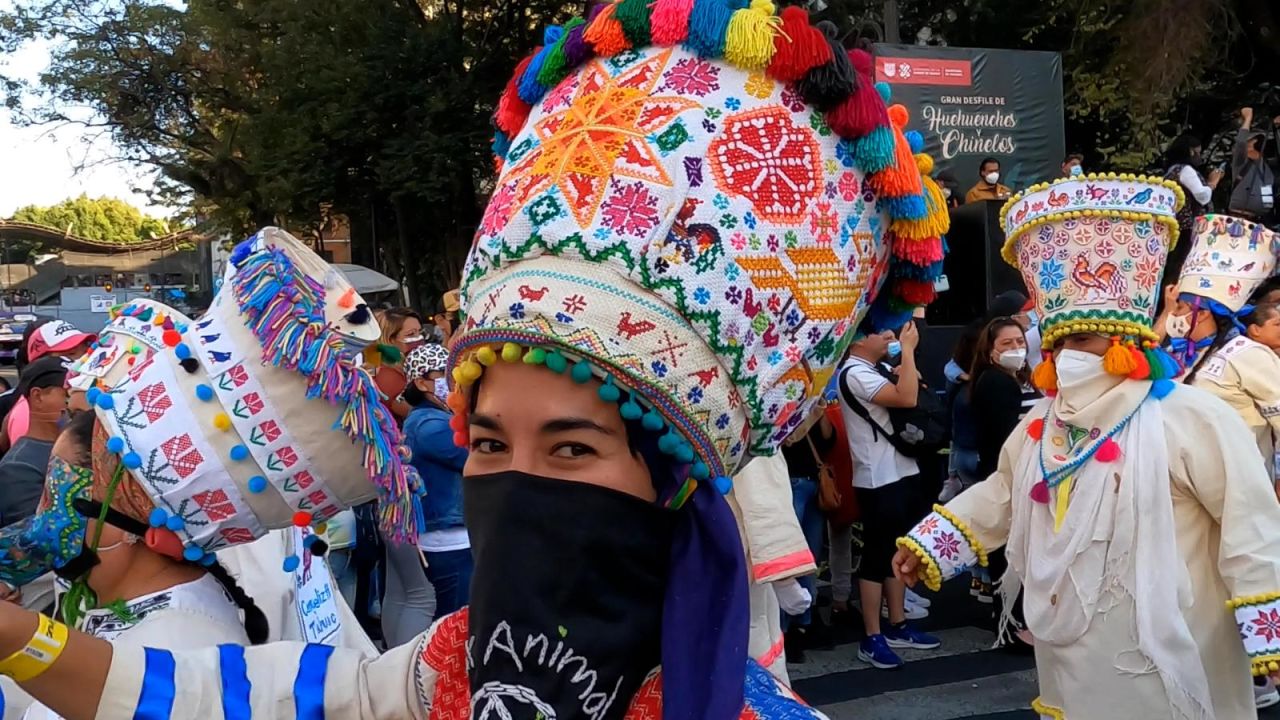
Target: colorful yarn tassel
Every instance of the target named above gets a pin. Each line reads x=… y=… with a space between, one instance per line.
x=863 y=111
x=669 y=23
x=1108 y=451
x=918 y=252
x=576 y=49
x=1141 y=368
x=1045 y=375
x=512 y=112
x=874 y=151
x=708 y=25
x=605 y=34
x=798 y=46
x=915 y=292
x=555 y=66
x=1040 y=493
x=748 y=41
x=902 y=177
x=531 y=91
x=827 y=85
x=906 y=207
x=633 y=16
x=1118 y=360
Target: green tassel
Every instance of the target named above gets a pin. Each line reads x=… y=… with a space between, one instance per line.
x=391 y=354
x=633 y=15
x=554 y=67
x=1157 y=367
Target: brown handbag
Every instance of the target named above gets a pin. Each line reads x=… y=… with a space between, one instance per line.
x=828 y=494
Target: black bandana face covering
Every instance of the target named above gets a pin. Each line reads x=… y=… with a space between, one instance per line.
x=566 y=597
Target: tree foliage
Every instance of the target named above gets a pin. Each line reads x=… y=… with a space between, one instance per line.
x=104 y=219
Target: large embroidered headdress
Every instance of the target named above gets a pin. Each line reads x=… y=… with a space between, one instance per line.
x=1229 y=258
x=1091 y=251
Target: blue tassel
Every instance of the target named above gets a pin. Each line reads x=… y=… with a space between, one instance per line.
x=874 y=151
x=501 y=144
x=907 y=207
x=529 y=89
x=1161 y=388
x=915 y=140
x=709 y=24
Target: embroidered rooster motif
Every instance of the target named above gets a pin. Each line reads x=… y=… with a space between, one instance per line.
x=629 y=328
x=1058 y=199
x=1099 y=284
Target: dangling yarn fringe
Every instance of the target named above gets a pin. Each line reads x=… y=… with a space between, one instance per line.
x=915 y=292
x=531 y=91
x=918 y=252
x=555 y=66
x=1118 y=360
x=605 y=34
x=512 y=112
x=1045 y=376
x=907 y=207
x=902 y=177
x=669 y=23
x=873 y=152
x=827 y=85
x=501 y=144
x=1141 y=368
x=708 y=25
x=748 y=42
x=576 y=49
x=936 y=220
x=633 y=15
x=798 y=46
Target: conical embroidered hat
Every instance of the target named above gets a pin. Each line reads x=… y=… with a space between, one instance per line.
x=1229 y=258
x=257 y=415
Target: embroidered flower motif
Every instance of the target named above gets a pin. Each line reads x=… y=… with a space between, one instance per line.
x=793 y=354
x=750 y=220
x=792 y=100
x=1148 y=272
x=691 y=76
x=738 y=241
x=1267 y=624
x=759 y=85
x=732 y=103
x=775 y=303
x=823 y=222
x=695 y=394
x=733 y=295
x=1051 y=275
x=722 y=422
x=815 y=334
x=947 y=546
x=516 y=311
x=701 y=295
x=929 y=525
x=659 y=368
x=849 y=186
x=498 y=213
x=844 y=153
x=632 y=209
x=773 y=243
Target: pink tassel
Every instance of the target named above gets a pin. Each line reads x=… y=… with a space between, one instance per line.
x=1108 y=451
x=1040 y=493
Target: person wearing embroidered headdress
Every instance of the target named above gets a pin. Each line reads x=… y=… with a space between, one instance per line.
x=678 y=249
x=1134 y=513
x=1206 y=324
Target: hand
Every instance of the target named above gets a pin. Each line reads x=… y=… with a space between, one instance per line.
x=906 y=567
x=909 y=336
x=1246 y=115
x=10 y=594
x=792 y=597
x=1215 y=177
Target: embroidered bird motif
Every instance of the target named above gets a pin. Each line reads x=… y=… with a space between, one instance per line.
x=629 y=328
x=821 y=285
x=1141 y=197
x=1058 y=199
x=706 y=377
x=1102 y=282
x=219 y=357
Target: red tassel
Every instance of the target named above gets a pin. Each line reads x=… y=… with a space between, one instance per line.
x=915 y=292
x=798 y=46
x=512 y=111
x=1040 y=493
x=1108 y=451
x=1036 y=429
x=1143 y=369
x=864 y=110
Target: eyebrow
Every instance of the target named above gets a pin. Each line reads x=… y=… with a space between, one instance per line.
x=550 y=427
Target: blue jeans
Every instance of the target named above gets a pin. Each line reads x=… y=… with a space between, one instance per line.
x=344 y=574
x=804 y=500
x=450 y=576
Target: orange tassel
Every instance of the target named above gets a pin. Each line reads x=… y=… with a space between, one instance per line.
x=1142 y=368
x=1118 y=360
x=903 y=177
x=1045 y=376
x=605 y=34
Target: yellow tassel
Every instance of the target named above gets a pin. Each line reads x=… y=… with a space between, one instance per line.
x=1118 y=360
x=1060 y=506
x=748 y=43
x=938 y=220
x=1046 y=375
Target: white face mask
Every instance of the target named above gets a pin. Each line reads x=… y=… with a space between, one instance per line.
x=992 y=178
x=946 y=193
x=1013 y=359
x=441 y=388
x=1075 y=367
x=1177 y=326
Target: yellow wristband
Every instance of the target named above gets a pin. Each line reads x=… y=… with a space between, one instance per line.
x=41 y=652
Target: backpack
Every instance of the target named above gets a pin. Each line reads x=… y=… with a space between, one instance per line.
x=917 y=432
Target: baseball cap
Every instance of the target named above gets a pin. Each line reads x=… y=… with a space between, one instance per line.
x=55 y=336
x=48 y=371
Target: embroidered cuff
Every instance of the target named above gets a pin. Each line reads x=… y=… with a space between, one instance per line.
x=944 y=545
x=1258 y=618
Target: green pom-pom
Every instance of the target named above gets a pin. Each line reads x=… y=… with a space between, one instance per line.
x=581 y=372
x=631 y=410
x=609 y=392
x=536 y=356
x=390 y=353
x=556 y=362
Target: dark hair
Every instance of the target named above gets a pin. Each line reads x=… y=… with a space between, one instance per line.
x=79 y=430
x=1270 y=285
x=1179 y=152
x=986 y=344
x=1073 y=156
x=1225 y=325
x=1260 y=314
x=986 y=160
x=963 y=353
x=22 y=359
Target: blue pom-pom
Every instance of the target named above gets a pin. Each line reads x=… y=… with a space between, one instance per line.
x=106 y=402
x=723 y=484
x=886 y=92
x=131 y=460
x=652 y=422
x=915 y=140
x=668 y=443
x=257 y=484
x=609 y=392
x=1161 y=388
x=182 y=351
x=157 y=518
x=581 y=372
x=700 y=471
x=208 y=559
x=684 y=453
x=192 y=554
x=243 y=251
x=239 y=452
x=631 y=410
x=115 y=445
x=92 y=395
x=175 y=523
x=309 y=540
x=291 y=563
x=204 y=392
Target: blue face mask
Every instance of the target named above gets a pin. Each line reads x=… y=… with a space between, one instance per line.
x=895 y=349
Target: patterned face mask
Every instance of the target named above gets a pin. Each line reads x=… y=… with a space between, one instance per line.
x=54 y=536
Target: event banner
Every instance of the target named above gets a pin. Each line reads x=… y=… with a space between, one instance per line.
x=972 y=104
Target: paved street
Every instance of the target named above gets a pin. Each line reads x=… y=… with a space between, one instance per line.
x=964 y=678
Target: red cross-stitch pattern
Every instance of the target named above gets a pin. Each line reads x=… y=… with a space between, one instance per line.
x=215 y=504
x=647 y=703
x=253 y=402
x=140 y=368
x=304 y=479
x=318 y=497
x=446 y=654
x=182 y=456
x=154 y=401
x=270 y=430
x=238 y=375
x=764 y=156
x=236 y=535
x=287 y=456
